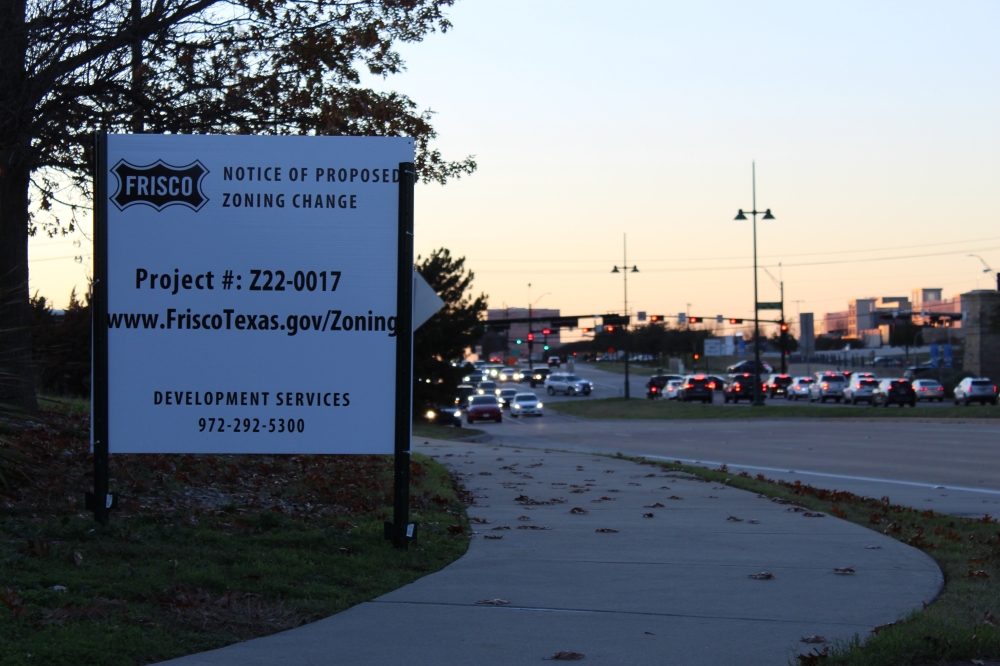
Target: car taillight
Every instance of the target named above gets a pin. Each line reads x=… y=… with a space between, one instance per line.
x=689 y=386
x=652 y=389
x=712 y=386
x=737 y=387
x=825 y=385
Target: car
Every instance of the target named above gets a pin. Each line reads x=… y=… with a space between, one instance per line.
x=478 y=365
x=827 y=386
x=462 y=393
x=507 y=375
x=718 y=383
x=673 y=389
x=484 y=408
x=486 y=388
x=554 y=361
x=887 y=362
x=561 y=382
x=505 y=395
x=929 y=389
x=777 y=385
x=894 y=392
x=444 y=415
x=538 y=376
x=746 y=367
x=492 y=371
x=657 y=383
x=860 y=388
x=975 y=389
x=855 y=376
x=473 y=378
x=526 y=404
x=739 y=387
x=799 y=388
x=695 y=388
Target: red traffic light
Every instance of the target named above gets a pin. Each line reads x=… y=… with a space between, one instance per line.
x=546 y=331
x=586 y=330
x=735 y=321
x=694 y=320
x=784 y=327
x=531 y=337
x=609 y=329
x=655 y=318
x=697 y=356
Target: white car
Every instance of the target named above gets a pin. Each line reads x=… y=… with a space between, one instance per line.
x=671 y=389
x=976 y=389
x=525 y=404
x=799 y=388
x=928 y=389
x=860 y=389
x=827 y=386
x=507 y=375
x=561 y=382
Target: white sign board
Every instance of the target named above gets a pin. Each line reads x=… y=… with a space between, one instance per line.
x=713 y=347
x=251 y=291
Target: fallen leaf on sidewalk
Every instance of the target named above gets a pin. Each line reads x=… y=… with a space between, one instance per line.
x=604 y=530
x=481 y=521
x=564 y=655
x=753 y=522
x=604 y=499
x=492 y=602
x=795 y=509
x=675 y=497
x=500 y=527
x=978 y=573
x=844 y=571
x=811 y=514
x=873 y=547
x=814 y=639
x=647 y=515
x=523 y=518
x=532 y=527
x=493 y=536
x=664 y=487
x=577 y=511
x=77 y=558
x=734 y=519
x=654 y=505
x=763 y=575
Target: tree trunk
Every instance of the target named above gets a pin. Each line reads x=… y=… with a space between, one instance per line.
x=17 y=374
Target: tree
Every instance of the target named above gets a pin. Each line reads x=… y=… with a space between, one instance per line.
x=70 y=67
x=447 y=335
x=904 y=334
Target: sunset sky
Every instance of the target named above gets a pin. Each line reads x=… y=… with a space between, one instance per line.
x=873 y=126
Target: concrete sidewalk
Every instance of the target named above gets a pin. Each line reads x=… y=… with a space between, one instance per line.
x=672 y=588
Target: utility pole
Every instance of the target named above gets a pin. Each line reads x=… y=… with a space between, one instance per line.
x=625 y=269
x=758 y=399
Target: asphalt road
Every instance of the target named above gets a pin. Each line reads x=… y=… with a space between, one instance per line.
x=947 y=466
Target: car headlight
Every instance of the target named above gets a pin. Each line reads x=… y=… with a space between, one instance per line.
x=431 y=415
x=458 y=413
x=517 y=406
x=539 y=405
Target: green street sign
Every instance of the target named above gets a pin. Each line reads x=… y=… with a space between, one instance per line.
x=769 y=306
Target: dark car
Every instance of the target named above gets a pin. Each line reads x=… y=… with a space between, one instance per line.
x=739 y=388
x=506 y=396
x=718 y=383
x=484 y=408
x=695 y=387
x=656 y=384
x=538 y=377
x=894 y=392
x=446 y=415
x=462 y=393
x=778 y=385
x=746 y=367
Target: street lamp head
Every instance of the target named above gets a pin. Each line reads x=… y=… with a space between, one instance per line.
x=740 y=215
x=767 y=215
x=635 y=269
x=615 y=270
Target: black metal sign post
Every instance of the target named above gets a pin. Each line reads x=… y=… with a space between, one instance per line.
x=400 y=530
x=99 y=501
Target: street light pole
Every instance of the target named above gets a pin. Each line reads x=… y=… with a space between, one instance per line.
x=758 y=398
x=625 y=271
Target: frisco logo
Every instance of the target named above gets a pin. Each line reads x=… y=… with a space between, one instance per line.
x=159 y=185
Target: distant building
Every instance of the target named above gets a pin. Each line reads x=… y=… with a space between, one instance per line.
x=835 y=324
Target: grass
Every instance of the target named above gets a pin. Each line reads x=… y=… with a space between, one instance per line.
x=640 y=408
x=444 y=432
x=961 y=625
x=205 y=551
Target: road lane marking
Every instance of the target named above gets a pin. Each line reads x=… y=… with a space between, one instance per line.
x=848 y=477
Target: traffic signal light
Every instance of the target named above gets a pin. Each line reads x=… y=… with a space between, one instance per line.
x=697 y=356
x=586 y=330
x=519 y=341
x=735 y=321
x=784 y=328
x=546 y=347
x=531 y=337
x=694 y=320
x=546 y=331
x=609 y=329
x=655 y=318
